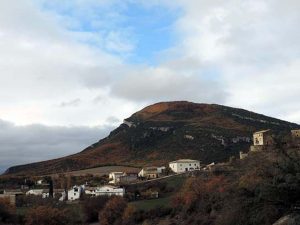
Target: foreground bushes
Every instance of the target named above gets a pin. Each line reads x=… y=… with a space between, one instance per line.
x=112 y=211
x=44 y=215
x=92 y=206
x=259 y=190
x=7 y=211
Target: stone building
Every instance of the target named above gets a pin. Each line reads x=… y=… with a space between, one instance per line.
x=263 y=138
x=295 y=133
x=296 y=137
x=150 y=172
x=243 y=155
x=184 y=165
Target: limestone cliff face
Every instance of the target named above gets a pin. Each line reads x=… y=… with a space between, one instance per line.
x=167 y=131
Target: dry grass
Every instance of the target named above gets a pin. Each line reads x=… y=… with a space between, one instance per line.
x=104 y=170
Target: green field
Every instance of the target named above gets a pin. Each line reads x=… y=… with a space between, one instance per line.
x=175 y=182
x=151 y=204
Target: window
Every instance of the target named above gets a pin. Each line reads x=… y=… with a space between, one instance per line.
x=190 y=164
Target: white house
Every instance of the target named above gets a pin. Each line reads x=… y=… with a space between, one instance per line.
x=161 y=169
x=109 y=190
x=75 y=193
x=122 y=178
x=114 y=177
x=184 y=165
x=39 y=192
x=35 y=192
x=150 y=172
x=39 y=182
x=90 y=191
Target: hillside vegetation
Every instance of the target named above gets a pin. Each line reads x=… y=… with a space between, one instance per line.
x=167 y=131
x=257 y=190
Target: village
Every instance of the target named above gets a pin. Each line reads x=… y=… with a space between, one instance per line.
x=119 y=182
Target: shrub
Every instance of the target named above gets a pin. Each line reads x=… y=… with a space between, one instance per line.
x=112 y=211
x=44 y=215
x=7 y=211
x=92 y=206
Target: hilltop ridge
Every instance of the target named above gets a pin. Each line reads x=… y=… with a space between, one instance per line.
x=167 y=131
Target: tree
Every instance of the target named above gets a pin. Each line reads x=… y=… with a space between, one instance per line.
x=44 y=215
x=128 y=212
x=6 y=210
x=92 y=206
x=49 y=180
x=112 y=211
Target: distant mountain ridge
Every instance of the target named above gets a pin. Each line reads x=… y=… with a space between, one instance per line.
x=164 y=132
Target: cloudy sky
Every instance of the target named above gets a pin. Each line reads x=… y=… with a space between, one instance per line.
x=71 y=70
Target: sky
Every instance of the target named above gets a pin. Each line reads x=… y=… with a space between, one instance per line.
x=72 y=70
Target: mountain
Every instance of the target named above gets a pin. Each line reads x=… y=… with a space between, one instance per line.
x=164 y=132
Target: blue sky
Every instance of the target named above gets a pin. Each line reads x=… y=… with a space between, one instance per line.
x=142 y=31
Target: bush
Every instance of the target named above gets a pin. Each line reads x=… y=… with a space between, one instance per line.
x=7 y=211
x=113 y=211
x=92 y=206
x=44 y=215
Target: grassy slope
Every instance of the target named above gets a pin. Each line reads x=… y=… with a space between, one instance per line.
x=173 y=182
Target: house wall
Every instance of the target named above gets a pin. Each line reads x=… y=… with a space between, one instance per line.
x=174 y=167
x=108 y=191
x=243 y=155
x=258 y=139
x=128 y=178
x=263 y=138
x=149 y=173
x=295 y=133
x=179 y=167
x=75 y=193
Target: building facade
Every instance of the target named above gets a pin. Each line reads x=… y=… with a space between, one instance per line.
x=122 y=178
x=184 y=165
x=263 y=138
x=75 y=193
x=109 y=190
x=114 y=177
x=295 y=133
x=150 y=172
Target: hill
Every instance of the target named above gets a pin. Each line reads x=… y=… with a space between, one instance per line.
x=167 y=131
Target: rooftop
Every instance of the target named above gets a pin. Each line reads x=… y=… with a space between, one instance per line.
x=117 y=172
x=185 y=161
x=262 y=131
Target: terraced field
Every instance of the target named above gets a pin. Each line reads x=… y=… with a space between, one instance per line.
x=103 y=170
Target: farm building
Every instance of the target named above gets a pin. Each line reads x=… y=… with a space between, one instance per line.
x=39 y=192
x=114 y=177
x=75 y=193
x=122 y=178
x=109 y=190
x=263 y=138
x=295 y=133
x=184 y=165
x=150 y=172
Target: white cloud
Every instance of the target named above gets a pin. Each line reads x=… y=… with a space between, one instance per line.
x=254 y=45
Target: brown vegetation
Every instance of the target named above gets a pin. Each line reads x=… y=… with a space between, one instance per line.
x=7 y=211
x=43 y=215
x=112 y=211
